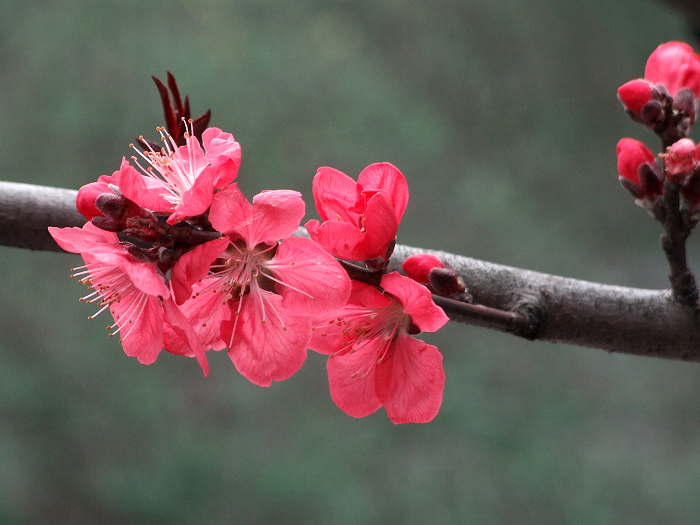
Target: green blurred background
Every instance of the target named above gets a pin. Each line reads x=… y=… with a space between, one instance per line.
x=503 y=117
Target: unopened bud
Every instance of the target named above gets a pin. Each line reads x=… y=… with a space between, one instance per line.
x=632 y=156
x=634 y=95
x=684 y=102
x=652 y=113
x=651 y=179
x=445 y=281
x=111 y=205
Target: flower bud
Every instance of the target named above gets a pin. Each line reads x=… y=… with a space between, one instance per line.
x=631 y=156
x=685 y=103
x=86 y=201
x=429 y=270
x=445 y=281
x=418 y=266
x=674 y=65
x=652 y=113
x=635 y=94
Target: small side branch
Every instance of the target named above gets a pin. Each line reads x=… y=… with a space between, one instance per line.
x=683 y=285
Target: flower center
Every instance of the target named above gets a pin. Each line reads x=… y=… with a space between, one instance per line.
x=174 y=173
x=372 y=331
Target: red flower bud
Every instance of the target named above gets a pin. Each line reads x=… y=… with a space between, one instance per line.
x=418 y=266
x=632 y=155
x=635 y=94
x=87 y=198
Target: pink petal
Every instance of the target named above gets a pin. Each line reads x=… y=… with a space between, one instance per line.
x=381 y=226
x=386 y=177
x=336 y=196
x=223 y=155
x=314 y=282
x=356 y=396
x=340 y=239
x=410 y=381
x=274 y=215
x=278 y=213
x=417 y=301
x=194 y=266
x=145 y=276
x=86 y=239
x=142 y=190
x=140 y=318
x=367 y=296
x=205 y=311
x=270 y=342
x=231 y=212
x=184 y=331
x=195 y=200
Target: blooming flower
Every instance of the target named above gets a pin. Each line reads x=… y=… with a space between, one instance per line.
x=182 y=180
x=638 y=170
x=255 y=294
x=360 y=219
x=132 y=288
x=374 y=361
x=681 y=158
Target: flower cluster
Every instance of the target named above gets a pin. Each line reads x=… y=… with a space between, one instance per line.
x=186 y=263
x=665 y=101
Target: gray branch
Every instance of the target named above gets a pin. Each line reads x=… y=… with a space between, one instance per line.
x=528 y=304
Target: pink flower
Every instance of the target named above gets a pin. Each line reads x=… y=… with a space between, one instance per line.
x=681 y=158
x=637 y=167
x=256 y=294
x=132 y=288
x=374 y=361
x=360 y=219
x=182 y=180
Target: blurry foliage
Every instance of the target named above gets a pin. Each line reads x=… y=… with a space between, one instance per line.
x=503 y=117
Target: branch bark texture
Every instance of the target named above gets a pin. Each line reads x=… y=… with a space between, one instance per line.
x=525 y=303
x=26 y=212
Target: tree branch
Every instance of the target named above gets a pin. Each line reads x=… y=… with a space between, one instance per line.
x=26 y=212
x=525 y=303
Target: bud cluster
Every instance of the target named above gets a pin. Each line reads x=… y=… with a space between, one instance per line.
x=666 y=102
x=666 y=185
